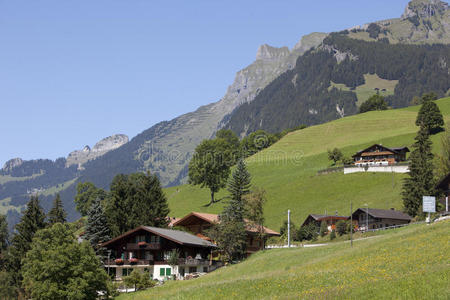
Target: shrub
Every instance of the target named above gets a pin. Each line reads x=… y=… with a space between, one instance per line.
x=323 y=228
x=341 y=227
x=332 y=235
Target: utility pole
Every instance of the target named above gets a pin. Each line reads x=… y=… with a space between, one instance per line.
x=367 y=218
x=351 y=224
x=289 y=228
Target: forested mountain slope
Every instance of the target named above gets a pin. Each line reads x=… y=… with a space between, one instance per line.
x=309 y=95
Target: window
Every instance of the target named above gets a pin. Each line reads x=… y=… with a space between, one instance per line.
x=126 y=271
x=192 y=269
x=165 y=272
x=205 y=269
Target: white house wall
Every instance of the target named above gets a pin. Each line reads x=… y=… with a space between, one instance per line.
x=384 y=169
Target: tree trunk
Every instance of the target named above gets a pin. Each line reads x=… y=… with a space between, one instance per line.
x=212 y=199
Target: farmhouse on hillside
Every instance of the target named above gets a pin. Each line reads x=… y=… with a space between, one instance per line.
x=198 y=223
x=329 y=219
x=378 y=158
x=371 y=218
x=148 y=249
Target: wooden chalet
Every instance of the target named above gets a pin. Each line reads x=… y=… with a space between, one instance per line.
x=380 y=155
x=369 y=219
x=331 y=220
x=199 y=223
x=148 y=249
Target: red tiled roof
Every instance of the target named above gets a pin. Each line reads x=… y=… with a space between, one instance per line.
x=213 y=218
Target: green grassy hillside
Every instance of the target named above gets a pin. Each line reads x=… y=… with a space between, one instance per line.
x=407 y=263
x=288 y=169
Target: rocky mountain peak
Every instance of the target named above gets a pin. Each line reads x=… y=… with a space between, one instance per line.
x=109 y=143
x=12 y=163
x=425 y=9
x=267 y=52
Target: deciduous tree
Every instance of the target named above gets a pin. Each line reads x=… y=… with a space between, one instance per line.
x=87 y=192
x=58 y=267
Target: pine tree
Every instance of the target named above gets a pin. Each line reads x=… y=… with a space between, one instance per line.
x=429 y=116
x=97 y=230
x=57 y=214
x=420 y=181
x=4 y=240
x=238 y=186
x=33 y=219
x=443 y=168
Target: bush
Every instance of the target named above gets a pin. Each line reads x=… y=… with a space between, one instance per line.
x=332 y=235
x=376 y=102
x=307 y=232
x=138 y=280
x=335 y=155
x=323 y=228
x=341 y=227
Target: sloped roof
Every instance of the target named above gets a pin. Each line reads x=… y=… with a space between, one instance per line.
x=393 y=149
x=385 y=213
x=177 y=236
x=213 y=218
x=318 y=217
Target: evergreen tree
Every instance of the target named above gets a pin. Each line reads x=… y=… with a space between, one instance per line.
x=238 y=186
x=444 y=158
x=57 y=214
x=97 y=230
x=87 y=192
x=429 y=116
x=420 y=181
x=4 y=240
x=33 y=219
x=136 y=199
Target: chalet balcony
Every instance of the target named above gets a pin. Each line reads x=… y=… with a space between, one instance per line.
x=143 y=245
x=128 y=262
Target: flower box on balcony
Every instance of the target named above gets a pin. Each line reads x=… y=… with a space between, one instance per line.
x=133 y=260
x=119 y=261
x=142 y=244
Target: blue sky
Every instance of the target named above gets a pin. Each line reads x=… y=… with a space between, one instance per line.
x=73 y=72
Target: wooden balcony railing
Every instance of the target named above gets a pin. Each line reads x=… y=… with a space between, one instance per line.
x=148 y=246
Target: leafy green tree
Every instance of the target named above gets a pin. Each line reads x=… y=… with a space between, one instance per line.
x=33 y=219
x=375 y=102
x=308 y=232
x=57 y=214
x=420 y=181
x=257 y=141
x=138 y=280
x=97 y=229
x=230 y=137
x=230 y=236
x=58 y=267
x=87 y=192
x=210 y=165
x=174 y=259
x=335 y=155
x=293 y=231
x=341 y=227
x=254 y=210
x=429 y=116
x=136 y=199
x=323 y=228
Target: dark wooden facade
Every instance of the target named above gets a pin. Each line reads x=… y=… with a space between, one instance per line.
x=380 y=155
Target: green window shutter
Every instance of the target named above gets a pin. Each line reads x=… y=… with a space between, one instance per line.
x=161 y=272
x=168 y=271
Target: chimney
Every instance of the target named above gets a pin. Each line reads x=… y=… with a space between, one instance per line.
x=336 y=213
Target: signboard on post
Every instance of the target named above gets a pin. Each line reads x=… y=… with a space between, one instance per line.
x=429 y=204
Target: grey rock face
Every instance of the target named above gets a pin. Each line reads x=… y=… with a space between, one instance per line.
x=425 y=9
x=80 y=157
x=12 y=163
